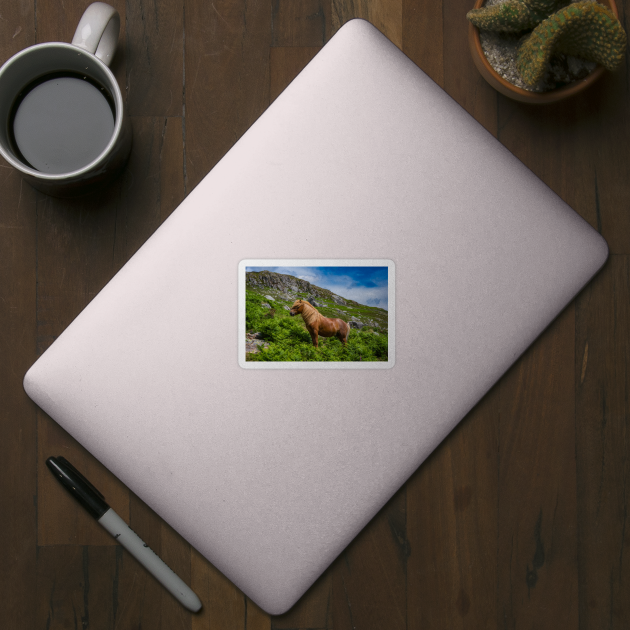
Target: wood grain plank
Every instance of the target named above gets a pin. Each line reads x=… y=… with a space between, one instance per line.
x=608 y=137
x=57 y=22
x=452 y=527
x=176 y=552
x=226 y=78
x=18 y=420
x=255 y=617
x=76 y=587
x=171 y=156
x=608 y=124
x=285 y=64
x=558 y=147
x=74 y=248
x=17 y=28
x=101 y=586
x=369 y=577
x=224 y=606
x=18 y=416
x=565 y=147
x=312 y=611
x=537 y=536
x=386 y=15
x=300 y=22
x=423 y=36
x=461 y=78
x=603 y=443
x=154 y=57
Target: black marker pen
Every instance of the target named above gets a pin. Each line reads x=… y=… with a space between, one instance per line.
x=94 y=502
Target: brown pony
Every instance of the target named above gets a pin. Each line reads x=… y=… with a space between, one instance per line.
x=317 y=324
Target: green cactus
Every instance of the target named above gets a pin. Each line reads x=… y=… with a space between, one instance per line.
x=513 y=16
x=584 y=29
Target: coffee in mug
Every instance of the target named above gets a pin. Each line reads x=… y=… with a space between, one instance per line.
x=65 y=128
x=61 y=122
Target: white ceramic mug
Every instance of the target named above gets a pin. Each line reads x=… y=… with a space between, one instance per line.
x=87 y=58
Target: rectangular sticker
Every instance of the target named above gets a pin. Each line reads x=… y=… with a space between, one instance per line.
x=316 y=314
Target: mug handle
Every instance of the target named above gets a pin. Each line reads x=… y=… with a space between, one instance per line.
x=98 y=30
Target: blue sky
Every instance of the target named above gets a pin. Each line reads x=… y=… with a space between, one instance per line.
x=365 y=285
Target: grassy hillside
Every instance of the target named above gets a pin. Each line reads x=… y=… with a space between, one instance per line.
x=268 y=300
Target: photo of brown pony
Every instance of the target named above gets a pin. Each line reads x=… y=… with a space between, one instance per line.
x=318 y=325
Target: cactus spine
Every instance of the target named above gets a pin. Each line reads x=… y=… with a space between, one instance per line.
x=583 y=29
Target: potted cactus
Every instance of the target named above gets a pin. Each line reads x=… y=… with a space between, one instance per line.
x=558 y=49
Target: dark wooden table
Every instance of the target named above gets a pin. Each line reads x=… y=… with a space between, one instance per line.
x=518 y=520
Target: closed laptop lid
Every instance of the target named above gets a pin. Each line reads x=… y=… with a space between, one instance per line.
x=362 y=161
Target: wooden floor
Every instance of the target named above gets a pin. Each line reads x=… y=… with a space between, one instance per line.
x=518 y=520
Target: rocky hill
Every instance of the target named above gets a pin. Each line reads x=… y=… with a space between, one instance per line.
x=279 y=291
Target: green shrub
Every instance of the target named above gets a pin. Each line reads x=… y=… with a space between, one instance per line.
x=290 y=341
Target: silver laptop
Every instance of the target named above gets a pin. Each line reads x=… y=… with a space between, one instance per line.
x=363 y=179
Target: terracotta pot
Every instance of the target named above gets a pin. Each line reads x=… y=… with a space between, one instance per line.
x=518 y=94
